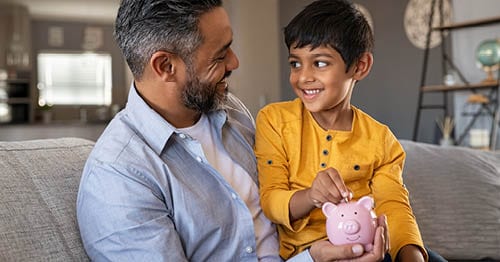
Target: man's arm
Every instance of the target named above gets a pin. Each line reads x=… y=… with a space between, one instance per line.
x=122 y=219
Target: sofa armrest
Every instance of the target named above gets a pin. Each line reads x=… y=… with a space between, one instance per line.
x=455 y=196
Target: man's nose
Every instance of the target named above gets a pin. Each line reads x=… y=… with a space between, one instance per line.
x=232 y=61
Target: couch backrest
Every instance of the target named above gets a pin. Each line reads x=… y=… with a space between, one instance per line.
x=39 y=181
x=455 y=196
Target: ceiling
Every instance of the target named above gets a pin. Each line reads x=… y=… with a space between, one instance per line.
x=71 y=10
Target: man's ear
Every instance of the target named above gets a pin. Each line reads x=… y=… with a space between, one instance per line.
x=363 y=66
x=164 y=65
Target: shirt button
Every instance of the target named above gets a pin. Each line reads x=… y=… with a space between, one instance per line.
x=182 y=136
x=198 y=159
x=249 y=250
x=325 y=152
x=233 y=195
x=328 y=137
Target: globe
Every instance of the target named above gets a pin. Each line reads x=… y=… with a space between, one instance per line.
x=488 y=57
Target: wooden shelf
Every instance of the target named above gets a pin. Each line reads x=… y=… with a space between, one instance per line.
x=441 y=88
x=493 y=88
x=18 y=81
x=471 y=23
x=18 y=100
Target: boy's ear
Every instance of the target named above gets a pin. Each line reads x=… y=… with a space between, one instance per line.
x=363 y=66
x=164 y=65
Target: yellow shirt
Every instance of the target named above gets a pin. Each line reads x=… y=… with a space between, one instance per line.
x=291 y=148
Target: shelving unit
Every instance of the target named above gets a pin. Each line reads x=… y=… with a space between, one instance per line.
x=18 y=100
x=490 y=108
x=16 y=83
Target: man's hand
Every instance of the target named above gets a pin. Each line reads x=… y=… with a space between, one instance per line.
x=325 y=251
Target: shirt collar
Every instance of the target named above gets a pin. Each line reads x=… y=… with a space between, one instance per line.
x=153 y=127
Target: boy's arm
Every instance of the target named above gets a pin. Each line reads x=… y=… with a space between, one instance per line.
x=327 y=186
x=275 y=193
x=410 y=253
x=301 y=204
x=392 y=198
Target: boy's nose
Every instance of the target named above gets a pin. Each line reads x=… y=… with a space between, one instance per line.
x=306 y=75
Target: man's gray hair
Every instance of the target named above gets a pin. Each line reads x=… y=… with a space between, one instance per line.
x=144 y=27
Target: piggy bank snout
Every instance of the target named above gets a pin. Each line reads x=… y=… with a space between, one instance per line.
x=351 y=227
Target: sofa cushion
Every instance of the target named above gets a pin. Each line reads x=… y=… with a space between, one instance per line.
x=455 y=195
x=39 y=182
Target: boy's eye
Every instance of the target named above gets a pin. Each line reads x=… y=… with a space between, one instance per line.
x=321 y=64
x=294 y=64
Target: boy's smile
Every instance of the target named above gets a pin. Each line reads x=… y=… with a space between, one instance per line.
x=311 y=93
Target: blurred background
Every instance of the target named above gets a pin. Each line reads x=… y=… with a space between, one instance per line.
x=61 y=73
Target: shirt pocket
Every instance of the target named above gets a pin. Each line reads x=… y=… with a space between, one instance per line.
x=357 y=176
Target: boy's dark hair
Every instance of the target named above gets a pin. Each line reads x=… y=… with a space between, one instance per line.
x=144 y=27
x=334 y=23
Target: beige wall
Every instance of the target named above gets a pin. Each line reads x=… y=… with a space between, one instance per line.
x=256 y=42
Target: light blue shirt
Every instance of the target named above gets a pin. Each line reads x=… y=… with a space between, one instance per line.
x=145 y=197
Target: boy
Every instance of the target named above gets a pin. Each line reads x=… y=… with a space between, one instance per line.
x=320 y=148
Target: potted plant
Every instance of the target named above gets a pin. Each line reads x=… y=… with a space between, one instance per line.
x=446 y=127
x=46 y=113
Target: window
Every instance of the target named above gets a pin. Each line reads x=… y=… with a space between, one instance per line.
x=74 y=79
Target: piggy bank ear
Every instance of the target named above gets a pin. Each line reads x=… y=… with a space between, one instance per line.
x=328 y=208
x=366 y=202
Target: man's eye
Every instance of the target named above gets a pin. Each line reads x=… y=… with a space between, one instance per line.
x=294 y=64
x=321 y=64
x=220 y=59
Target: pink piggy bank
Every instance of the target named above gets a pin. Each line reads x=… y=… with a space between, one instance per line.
x=350 y=223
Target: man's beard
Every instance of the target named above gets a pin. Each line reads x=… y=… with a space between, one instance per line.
x=202 y=97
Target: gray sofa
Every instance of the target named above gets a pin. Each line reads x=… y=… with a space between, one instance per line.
x=455 y=193
x=38 y=184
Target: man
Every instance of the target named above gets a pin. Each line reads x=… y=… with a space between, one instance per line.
x=173 y=177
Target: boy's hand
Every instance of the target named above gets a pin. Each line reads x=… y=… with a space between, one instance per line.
x=328 y=186
x=323 y=250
